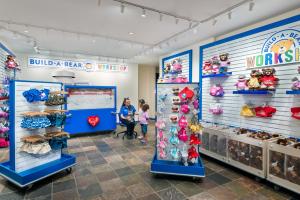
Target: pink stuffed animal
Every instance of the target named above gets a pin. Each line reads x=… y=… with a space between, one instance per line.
x=196 y=103
x=217 y=91
x=241 y=84
x=3 y=114
x=182 y=122
x=215 y=65
x=185 y=108
x=182 y=135
x=4 y=129
x=181 y=79
x=177 y=66
x=3 y=143
x=207 y=68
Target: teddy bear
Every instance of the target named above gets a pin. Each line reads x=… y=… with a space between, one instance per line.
x=277 y=161
x=241 y=84
x=215 y=65
x=244 y=153
x=296 y=81
x=233 y=149
x=254 y=81
x=11 y=63
x=224 y=63
x=282 y=46
x=268 y=80
x=256 y=157
x=207 y=68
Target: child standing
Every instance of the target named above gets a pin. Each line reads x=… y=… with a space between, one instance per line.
x=141 y=103
x=144 y=117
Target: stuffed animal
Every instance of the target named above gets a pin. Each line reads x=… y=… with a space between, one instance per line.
x=11 y=63
x=207 y=68
x=268 y=80
x=224 y=63
x=215 y=65
x=233 y=149
x=193 y=155
x=241 y=84
x=244 y=153
x=296 y=82
x=167 y=68
x=254 y=81
x=256 y=157
x=184 y=156
x=176 y=65
x=293 y=169
x=277 y=161
x=181 y=79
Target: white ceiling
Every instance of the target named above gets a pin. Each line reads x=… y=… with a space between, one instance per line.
x=107 y=20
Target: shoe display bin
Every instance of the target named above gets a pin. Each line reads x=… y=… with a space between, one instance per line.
x=283 y=166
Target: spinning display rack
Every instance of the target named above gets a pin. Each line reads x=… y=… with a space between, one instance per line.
x=23 y=168
x=172 y=150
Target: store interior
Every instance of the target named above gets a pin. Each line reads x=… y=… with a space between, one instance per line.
x=150 y=100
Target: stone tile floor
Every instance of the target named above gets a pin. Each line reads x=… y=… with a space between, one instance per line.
x=109 y=168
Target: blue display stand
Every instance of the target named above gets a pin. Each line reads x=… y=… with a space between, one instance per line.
x=78 y=122
x=255 y=92
x=175 y=167
x=24 y=169
x=295 y=92
x=217 y=75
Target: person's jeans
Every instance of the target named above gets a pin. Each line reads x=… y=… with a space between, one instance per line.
x=130 y=126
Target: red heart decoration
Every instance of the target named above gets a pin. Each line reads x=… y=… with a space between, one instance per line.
x=93 y=120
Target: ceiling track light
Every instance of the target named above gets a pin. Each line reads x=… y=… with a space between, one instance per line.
x=214 y=22
x=143 y=13
x=230 y=15
x=251 y=5
x=122 y=8
x=160 y=17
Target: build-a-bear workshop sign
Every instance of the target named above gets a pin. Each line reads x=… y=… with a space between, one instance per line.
x=89 y=66
x=283 y=47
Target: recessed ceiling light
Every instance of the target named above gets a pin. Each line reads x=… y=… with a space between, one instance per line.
x=131 y=33
x=26 y=31
x=143 y=13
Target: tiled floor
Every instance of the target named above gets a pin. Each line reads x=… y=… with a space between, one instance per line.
x=111 y=169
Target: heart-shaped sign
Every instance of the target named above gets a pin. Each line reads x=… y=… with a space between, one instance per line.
x=93 y=120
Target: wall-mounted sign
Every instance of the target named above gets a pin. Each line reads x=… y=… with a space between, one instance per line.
x=283 y=47
x=89 y=66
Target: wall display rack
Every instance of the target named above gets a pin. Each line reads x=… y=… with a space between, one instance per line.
x=219 y=131
x=92 y=107
x=217 y=75
x=174 y=132
x=26 y=167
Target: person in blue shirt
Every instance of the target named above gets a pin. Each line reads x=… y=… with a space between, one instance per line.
x=127 y=113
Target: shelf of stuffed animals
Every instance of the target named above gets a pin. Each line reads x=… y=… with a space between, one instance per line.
x=254 y=92
x=294 y=92
x=217 y=75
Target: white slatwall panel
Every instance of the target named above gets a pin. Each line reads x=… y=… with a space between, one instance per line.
x=185 y=64
x=238 y=50
x=25 y=161
x=167 y=89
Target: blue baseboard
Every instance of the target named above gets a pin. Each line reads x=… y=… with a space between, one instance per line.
x=35 y=174
x=176 y=168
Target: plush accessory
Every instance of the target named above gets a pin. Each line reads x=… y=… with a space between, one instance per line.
x=173 y=118
x=216 y=109
x=176 y=100
x=160 y=124
x=11 y=63
x=34 y=122
x=174 y=139
x=175 y=109
x=224 y=63
x=55 y=100
x=175 y=91
x=176 y=65
x=93 y=120
x=182 y=122
x=174 y=153
x=3 y=114
x=217 y=91
x=162 y=153
x=254 y=81
x=195 y=128
x=268 y=80
x=181 y=79
x=194 y=140
x=184 y=156
x=215 y=65
x=193 y=154
x=4 y=129
x=173 y=130
x=295 y=112
x=185 y=109
x=247 y=111
x=182 y=135
x=196 y=104
x=266 y=111
x=296 y=81
x=34 y=95
x=186 y=94
x=3 y=143
x=241 y=84
x=207 y=68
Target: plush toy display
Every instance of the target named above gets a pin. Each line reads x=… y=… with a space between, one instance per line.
x=224 y=63
x=277 y=161
x=217 y=90
x=244 y=153
x=293 y=169
x=233 y=147
x=215 y=65
x=11 y=63
x=254 y=82
x=256 y=157
x=241 y=84
x=186 y=94
x=176 y=66
x=296 y=81
x=207 y=68
x=268 y=80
